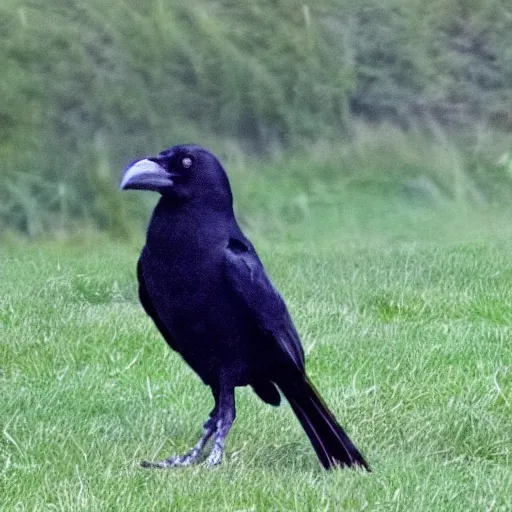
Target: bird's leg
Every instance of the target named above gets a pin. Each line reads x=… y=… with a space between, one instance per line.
x=192 y=456
x=225 y=418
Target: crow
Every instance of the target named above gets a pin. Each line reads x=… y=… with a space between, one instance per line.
x=205 y=288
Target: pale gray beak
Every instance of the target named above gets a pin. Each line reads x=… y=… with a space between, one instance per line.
x=146 y=174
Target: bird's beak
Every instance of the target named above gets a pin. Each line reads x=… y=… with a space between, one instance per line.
x=146 y=174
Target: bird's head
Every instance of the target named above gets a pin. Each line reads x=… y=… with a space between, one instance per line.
x=181 y=173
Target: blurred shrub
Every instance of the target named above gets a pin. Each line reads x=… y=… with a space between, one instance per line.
x=89 y=85
x=448 y=61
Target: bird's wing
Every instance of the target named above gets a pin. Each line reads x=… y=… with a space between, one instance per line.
x=253 y=289
x=145 y=300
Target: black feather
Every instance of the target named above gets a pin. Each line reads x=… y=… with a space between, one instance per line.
x=330 y=442
x=205 y=288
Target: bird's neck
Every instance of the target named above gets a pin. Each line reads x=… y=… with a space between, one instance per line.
x=188 y=227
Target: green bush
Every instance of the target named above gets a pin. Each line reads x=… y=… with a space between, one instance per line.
x=88 y=86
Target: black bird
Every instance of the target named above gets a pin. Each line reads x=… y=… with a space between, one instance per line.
x=205 y=288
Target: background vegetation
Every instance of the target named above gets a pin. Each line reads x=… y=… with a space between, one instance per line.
x=370 y=146
x=87 y=86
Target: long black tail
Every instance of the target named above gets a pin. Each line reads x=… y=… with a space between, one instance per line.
x=332 y=445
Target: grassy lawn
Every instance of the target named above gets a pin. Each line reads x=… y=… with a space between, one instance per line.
x=408 y=337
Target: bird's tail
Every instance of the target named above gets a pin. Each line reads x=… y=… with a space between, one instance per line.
x=332 y=445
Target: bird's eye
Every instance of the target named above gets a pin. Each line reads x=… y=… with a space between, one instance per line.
x=187 y=162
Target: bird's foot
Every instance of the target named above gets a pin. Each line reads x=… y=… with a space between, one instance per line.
x=178 y=461
x=189 y=458
x=215 y=457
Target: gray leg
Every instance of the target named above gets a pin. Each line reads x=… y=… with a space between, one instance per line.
x=225 y=418
x=191 y=457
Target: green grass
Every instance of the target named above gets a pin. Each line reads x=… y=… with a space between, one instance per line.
x=406 y=321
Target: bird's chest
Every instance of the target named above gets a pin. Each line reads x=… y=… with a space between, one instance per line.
x=188 y=292
x=192 y=301
x=181 y=282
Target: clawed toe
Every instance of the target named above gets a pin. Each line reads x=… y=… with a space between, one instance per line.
x=211 y=462
x=173 y=462
x=215 y=457
x=177 y=461
x=151 y=465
